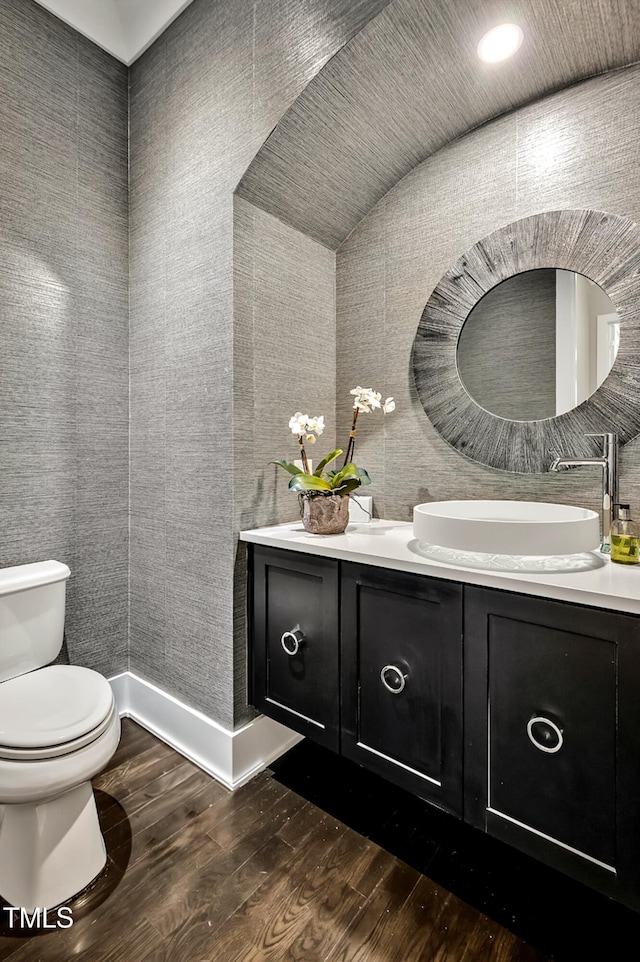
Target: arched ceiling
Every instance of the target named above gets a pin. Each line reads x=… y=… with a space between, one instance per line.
x=411 y=82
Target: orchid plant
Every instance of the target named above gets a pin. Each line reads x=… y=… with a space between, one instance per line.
x=308 y=429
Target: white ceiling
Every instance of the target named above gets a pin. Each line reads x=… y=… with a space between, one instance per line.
x=122 y=27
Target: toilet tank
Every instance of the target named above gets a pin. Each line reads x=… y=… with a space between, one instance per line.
x=32 y=599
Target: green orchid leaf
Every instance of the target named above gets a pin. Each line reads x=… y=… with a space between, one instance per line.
x=288 y=466
x=349 y=471
x=364 y=477
x=308 y=482
x=350 y=485
x=325 y=461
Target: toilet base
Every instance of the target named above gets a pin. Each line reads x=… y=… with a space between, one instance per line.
x=50 y=851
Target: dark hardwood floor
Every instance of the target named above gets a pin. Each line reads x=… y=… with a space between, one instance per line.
x=315 y=859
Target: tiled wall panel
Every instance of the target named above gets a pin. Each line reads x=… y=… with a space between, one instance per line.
x=284 y=361
x=360 y=304
x=185 y=93
x=209 y=398
x=63 y=321
x=577 y=148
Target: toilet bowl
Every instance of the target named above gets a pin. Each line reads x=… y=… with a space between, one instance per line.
x=59 y=727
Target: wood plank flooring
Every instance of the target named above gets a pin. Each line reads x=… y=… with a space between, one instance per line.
x=312 y=860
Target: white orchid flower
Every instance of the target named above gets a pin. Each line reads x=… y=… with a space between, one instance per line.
x=366 y=399
x=389 y=406
x=316 y=425
x=298 y=423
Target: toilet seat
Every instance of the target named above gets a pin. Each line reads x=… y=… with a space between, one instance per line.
x=53 y=711
x=54 y=751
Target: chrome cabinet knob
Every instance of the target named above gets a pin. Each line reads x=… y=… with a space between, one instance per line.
x=291 y=641
x=548 y=737
x=393 y=679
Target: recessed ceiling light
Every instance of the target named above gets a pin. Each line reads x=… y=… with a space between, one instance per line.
x=500 y=43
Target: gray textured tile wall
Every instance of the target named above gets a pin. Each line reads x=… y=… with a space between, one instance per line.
x=284 y=314
x=284 y=361
x=203 y=98
x=188 y=95
x=577 y=148
x=64 y=321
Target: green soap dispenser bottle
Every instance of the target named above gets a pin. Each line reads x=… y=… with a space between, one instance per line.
x=625 y=537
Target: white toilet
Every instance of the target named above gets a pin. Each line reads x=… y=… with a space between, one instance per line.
x=59 y=727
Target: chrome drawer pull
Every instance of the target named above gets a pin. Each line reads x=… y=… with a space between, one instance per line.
x=400 y=679
x=294 y=639
x=538 y=719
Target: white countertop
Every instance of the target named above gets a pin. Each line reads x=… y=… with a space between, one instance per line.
x=390 y=544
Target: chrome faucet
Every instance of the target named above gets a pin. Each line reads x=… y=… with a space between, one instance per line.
x=609 y=464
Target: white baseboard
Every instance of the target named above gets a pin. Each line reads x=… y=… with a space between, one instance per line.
x=231 y=757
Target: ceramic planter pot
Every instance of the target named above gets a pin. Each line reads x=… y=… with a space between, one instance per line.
x=324 y=513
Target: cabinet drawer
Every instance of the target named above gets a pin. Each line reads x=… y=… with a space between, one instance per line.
x=401 y=680
x=294 y=642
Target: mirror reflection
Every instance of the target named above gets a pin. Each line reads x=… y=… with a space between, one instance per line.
x=538 y=344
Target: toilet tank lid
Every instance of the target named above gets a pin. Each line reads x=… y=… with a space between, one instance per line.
x=21 y=577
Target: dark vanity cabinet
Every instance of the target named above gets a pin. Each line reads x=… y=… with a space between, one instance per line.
x=552 y=734
x=519 y=714
x=395 y=704
x=402 y=679
x=294 y=651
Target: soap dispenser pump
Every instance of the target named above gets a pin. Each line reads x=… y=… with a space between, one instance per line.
x=625 y=537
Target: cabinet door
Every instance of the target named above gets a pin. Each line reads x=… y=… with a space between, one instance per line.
x=552 y=721
x=401 y=679
x=294 y=642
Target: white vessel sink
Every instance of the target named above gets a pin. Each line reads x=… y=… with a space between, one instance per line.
x=507 y=527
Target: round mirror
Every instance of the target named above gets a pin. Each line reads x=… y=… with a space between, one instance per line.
x=538 y=344
x=482 y=389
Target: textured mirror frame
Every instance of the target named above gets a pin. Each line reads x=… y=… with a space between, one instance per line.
x=605 y=248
